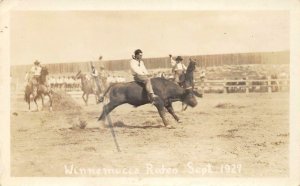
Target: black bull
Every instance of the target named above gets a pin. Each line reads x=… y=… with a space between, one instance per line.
x=136 y=95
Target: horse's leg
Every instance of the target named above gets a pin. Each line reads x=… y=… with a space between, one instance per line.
x=87 y=98
x=42 y=98
x=96 y=97
x=29 y=104
x=184 y=107
x=27 y=99
x=170 y=109
x=37 y=107
x=50 y=101
x=83 y=97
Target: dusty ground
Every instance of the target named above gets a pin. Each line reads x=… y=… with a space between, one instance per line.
x=225 y=135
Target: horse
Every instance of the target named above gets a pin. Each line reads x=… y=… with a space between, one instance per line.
x=135 y=94
x=187 y=79
x=40 y=91
x=87 y=86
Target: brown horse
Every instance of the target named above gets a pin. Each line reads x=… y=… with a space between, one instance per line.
x=88 y=87
x=186 y=80
x=39 y=91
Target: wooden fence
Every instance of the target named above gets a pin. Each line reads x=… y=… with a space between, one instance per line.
x=207 y=86
x=280 y=57
x=243 y=86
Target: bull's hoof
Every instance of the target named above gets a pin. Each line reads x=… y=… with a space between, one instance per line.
x=179 y=121
x=170 y=127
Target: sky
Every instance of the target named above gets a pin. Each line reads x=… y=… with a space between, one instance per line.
x=76 y=36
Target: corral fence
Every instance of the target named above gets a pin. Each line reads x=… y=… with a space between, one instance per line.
x=225 y=86
x=203 y=61
x=243 y=86
x=70 y=69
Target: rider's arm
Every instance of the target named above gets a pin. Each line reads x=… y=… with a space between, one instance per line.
x=173 y=62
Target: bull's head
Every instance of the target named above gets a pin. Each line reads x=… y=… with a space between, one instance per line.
x=189 y=97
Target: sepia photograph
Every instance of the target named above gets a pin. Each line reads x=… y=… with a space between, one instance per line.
x=149 y=93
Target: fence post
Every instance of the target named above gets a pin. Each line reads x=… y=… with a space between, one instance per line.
x=224 y=87
x=202 y=85
x=247 y=85
x=269 y=84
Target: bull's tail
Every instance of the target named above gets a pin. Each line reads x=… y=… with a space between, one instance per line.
x=101 y=98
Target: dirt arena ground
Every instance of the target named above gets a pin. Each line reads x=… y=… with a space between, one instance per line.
x=225 y=135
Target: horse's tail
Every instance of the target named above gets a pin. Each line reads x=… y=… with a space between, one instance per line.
x=101 y=99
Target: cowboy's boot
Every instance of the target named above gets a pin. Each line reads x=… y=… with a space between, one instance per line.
x=153 y=98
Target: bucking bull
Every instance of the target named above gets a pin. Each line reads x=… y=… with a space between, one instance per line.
x=168 y=92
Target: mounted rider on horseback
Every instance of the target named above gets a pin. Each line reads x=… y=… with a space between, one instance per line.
x=178 y=68
x=35 y=76
x=95 y=78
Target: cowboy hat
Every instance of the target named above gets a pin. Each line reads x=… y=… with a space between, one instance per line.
x=179 y=58
x=36 y=62
x=138 y=51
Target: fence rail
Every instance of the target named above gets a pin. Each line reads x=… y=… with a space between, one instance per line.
x=249 y=85
x=210 y=86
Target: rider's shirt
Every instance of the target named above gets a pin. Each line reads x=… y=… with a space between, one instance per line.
x=95 y=73
x=138 y=67
x=103 y=74
x=36 y=70
x=179 y=67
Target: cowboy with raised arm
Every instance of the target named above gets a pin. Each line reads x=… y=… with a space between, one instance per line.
x=140 y=73
x=36 y=72
x=103 y=76
x=178 y=68
x=95 y=76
